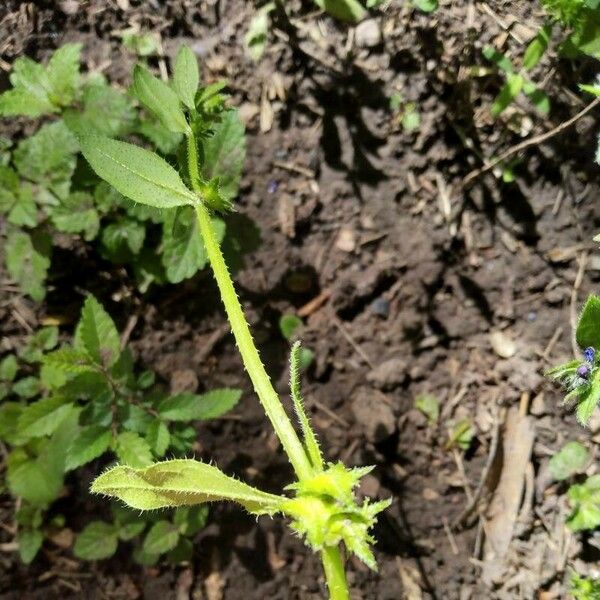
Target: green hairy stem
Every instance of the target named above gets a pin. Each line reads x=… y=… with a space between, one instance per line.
x=331 y=556
x=260 y=380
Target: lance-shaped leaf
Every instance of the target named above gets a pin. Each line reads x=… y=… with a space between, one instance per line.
x=180 y=483
x=186 y=76
x=160 y=99
x=136 y=173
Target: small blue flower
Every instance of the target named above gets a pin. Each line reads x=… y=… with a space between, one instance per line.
x=583 y=371
x=589 y=354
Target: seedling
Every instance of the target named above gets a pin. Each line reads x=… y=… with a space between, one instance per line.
x=429 y=406
x=584 y=589
x=323 y=509
x=86 y=400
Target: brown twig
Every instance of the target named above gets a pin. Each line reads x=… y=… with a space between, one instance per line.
x=533 y=141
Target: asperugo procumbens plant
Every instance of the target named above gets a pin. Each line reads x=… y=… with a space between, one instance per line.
x=323 y=508
x=64 y=408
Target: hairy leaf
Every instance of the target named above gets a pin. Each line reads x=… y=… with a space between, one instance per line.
x=186 y=76
x=136 y=173
x=180 y=483
x=159 y=99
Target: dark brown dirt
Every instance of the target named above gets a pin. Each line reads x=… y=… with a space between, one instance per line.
x=408 y=278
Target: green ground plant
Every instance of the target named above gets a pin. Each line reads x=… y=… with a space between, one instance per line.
x=579 y=24
x=46 y=189
x=322 y=508
x=64 y=407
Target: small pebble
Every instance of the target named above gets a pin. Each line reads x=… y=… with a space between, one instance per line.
x=272 y=186
x=380 y=307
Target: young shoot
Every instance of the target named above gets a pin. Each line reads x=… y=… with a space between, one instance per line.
x=323 y=508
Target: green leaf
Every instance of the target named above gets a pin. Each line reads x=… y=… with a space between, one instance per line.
x=76 y=214
x=588 y=326
x=69 y=360
x=28 y=387
x=44 y=416
x=159 y=99
x=31 y=480
x=588 y=400
x=162 y=537
x=48 y=157
x=570 y=459
x=38 y=90
x=63 y=74
x=425 y=6
x=538 y=97
x=90 y=443
x=224 y=154
x=136 y=173
x=188 y=407
x=190 y=519
x=132 y=450
x=180 y=483
x=27 y=261
x=593 y=89
x=586 y=35
x=122 y=240
x=183 y=248
x=429 y=406
x=258 y=31
x=30 y=541
x=186 y=76
x=288 y=325
x=97 y=334
x=461 y=435
x=166 y=141
x=43 y=339
x=29 y=95
x=585 y=500
x=8 y=368
x=97 y=541
x=9 y=417
x=345 y=10
x=499 y=59
x=537 y=47
x=24 y=209
x=106 y=111
x=142 y=44
x=158 y=437
x=512 y=88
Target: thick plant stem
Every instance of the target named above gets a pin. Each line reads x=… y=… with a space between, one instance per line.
x=260 y=380
x=334 y=573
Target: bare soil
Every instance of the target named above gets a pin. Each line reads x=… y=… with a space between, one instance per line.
x=413 y=271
